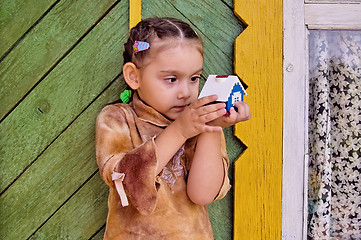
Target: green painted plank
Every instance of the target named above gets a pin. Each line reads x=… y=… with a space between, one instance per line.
x=55 y=176
x=221 y=216
x=81 y=216
x=234 y=146
x=16 y=17
x=44 y=45
x=63 y=94
x=229 y=3
x=221 y=211
x=214 y=21
x=99 y=235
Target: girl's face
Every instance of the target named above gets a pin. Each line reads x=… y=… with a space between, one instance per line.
x=169 y=82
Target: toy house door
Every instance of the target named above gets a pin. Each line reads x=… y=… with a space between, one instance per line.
x=322 y=76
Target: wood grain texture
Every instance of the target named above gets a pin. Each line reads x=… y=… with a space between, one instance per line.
x=62 y=95
x=295 y=117
x=78 y=221
x=44 y=46
x=20 y=15
x=75 y=220
x=332 y=1
x=99 y=235
x=258 y=172
x=333 y=16
x=214 y=21
x=45 y=189
x=57 y=174
x=135 y=12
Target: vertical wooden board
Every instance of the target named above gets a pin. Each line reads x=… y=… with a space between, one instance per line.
x=56 y=175
x=215 y=23
x=63 y=94
x=221 y=212
x=258 y=172
x=81 y=216
x=16 y=17
x=214 y=19
x=135 y=12
x=295 y=89
x=218 y=27
x=44 y=46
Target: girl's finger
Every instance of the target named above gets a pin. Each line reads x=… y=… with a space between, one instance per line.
x=232 y=111
x=204 y=101
x=211 y=108
x=232 y=116
x=208 y=117
x=243 y=110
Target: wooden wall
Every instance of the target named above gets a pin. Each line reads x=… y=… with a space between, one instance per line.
x=258 y=172
x=60 y=63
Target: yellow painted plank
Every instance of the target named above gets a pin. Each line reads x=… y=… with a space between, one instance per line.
x=258 y=172
x=135 y=12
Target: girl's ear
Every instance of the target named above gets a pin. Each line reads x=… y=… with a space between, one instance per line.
x=131 y=75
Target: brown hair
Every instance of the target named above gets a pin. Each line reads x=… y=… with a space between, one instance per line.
x=152 y=28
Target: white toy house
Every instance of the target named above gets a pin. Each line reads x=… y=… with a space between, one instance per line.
x=228 y=88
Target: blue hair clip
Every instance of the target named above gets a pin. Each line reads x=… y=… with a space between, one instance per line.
x=140 y=46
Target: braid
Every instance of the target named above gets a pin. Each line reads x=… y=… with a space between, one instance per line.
x=149 y=29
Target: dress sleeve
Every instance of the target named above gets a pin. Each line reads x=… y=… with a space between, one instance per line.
x=119 y=149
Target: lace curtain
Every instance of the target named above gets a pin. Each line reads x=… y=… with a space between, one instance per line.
x=334 y=191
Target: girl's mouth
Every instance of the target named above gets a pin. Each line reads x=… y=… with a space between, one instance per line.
x=180 y=108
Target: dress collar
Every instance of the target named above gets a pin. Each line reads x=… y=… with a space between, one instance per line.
x=147 y=113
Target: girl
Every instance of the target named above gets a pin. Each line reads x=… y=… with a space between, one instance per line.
x=163 y=154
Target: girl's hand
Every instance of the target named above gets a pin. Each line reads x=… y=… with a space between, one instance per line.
x=242 y=114
x=193 y=120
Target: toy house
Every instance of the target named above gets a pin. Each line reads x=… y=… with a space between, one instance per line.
x=228 y=88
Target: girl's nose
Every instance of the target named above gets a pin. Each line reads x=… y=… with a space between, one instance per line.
x=184 y=91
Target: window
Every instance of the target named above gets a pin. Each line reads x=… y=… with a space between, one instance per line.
x=315 y=106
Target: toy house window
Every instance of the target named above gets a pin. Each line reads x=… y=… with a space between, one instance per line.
x=322 y=106
x=236 y=97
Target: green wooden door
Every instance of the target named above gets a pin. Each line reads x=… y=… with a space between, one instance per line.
x=60 y=63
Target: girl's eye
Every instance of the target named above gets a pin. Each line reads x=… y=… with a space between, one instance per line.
x=195 y=78
x=171 y=79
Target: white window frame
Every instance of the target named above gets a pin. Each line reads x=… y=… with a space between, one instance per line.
x=298 y=18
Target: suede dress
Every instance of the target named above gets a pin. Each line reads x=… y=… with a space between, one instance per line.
x=142 y=204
